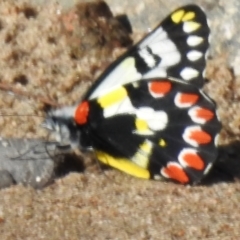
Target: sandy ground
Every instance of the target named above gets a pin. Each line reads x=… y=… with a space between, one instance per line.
x=39 y=60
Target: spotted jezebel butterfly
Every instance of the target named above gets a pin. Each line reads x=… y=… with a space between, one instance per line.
x=146 y=115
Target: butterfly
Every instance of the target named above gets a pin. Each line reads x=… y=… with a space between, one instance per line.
x=146 y=115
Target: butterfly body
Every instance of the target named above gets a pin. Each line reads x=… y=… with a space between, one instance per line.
x=146 y=115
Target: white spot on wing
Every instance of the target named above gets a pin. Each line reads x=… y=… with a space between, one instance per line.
x=189 y=27
x=194 y=55
x=189 y=73
x=193 y=40
x=156 y=120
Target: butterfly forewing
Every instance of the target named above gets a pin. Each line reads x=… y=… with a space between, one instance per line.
x=163 y=127
x=176 y=48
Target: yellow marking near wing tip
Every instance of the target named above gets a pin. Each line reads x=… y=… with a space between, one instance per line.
x=177 y=16
x=188 y=16
x=124 y=165
x=112 y=97
x=162 y=143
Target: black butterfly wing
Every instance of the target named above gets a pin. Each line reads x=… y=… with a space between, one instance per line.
x=156 y=127
x=175 y=48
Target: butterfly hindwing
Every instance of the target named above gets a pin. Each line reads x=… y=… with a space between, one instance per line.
x=176 y=48
x=163 y=127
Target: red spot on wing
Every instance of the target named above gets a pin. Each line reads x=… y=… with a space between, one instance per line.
x=193 y=160
x=160 y=88
x=187 y=98
x=81 y=113
x=175 y=172
x=200 y=136
x=204 y=114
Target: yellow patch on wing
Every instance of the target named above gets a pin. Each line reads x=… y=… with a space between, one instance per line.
x=124 y=165
x=146 y=147
x=188 y=16
x=177 y=16
x=141 y=158
x=182 y=16
x=141 y=125
x=112 y=97
x=162 y=143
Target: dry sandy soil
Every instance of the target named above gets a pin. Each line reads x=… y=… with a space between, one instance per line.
x=44 y=60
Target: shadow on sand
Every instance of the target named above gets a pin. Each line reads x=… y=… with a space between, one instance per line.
x=226 y=167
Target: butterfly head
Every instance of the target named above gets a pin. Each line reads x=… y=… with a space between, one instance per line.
x=61 y=124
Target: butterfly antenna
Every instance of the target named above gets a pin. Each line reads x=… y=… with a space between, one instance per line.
x=19 y=157
x=14 y=91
